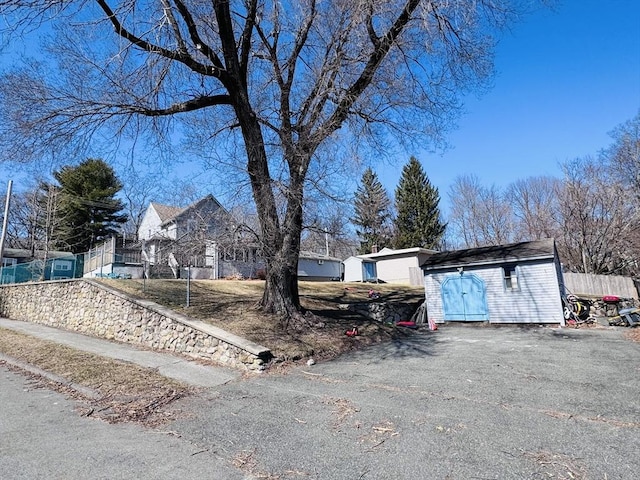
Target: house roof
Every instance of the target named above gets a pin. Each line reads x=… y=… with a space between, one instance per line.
x=358 y=258
x=388 y=252
x=514 y=252
x=25 y=253
x=317 y=256
x=165 y=212
x=170 y=214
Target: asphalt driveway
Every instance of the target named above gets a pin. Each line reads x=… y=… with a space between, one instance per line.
x=465 y=402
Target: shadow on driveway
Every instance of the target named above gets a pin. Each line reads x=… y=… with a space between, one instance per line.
x=421 y=343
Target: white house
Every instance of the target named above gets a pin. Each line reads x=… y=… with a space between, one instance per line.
x=387 y=265
x=515 y=283
x=316 y=267
x=205 y=237
x=162 y=224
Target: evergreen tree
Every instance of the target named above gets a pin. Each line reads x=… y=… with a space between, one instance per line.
x=418 y=216
x=87 y=211
x=372 y=214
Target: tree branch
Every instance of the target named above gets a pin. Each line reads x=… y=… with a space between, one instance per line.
x=187 y=106
x=196 y=39
x=181 y=57
x=245 y=39
x=375 y=59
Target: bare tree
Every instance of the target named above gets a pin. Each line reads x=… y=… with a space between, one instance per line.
x=281 y=77
x=464 y=195
x=138 y=191
x=599 y=232
x=33 y=219
x=624 y=154
x=22 y=228
x=330 y=234
x=479 y=215
x=534 y=201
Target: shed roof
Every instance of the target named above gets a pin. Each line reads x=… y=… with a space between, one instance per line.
x=317 y=256
x=513 y=252
x=389 y=252
x=28 y=254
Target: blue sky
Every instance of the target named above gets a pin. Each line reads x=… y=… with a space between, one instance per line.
x=565 y=79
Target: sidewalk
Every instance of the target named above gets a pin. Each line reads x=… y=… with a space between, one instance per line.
x=171 y=366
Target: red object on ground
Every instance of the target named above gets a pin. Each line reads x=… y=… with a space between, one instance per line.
x=407 y=324
x=610 y=299
x=352 y=333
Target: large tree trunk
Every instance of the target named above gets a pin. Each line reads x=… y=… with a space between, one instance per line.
x=281 y=289
x=280 y=241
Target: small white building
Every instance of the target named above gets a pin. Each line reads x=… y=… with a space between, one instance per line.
x=515 y=283
x=316 y=267
x=387 y=265
x=359 y=269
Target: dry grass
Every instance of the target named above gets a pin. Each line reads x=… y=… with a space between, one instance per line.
x=557 y=465
x=124 y=392
x=231 y=305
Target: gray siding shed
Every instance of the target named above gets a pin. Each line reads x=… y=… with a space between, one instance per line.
x=533 y=265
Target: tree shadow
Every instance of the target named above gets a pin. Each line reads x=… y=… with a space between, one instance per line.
x=405 y=344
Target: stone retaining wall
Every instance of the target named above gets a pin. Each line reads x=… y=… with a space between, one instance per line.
x=89 y=307
x=384 y=312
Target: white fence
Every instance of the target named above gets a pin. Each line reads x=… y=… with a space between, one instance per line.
x=600 y=285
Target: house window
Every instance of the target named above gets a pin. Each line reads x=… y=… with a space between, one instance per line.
x=510 y=277
x=62 y=265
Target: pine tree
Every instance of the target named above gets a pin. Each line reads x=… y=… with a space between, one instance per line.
x=87 y=210
x=372 y=213
x=418 y=221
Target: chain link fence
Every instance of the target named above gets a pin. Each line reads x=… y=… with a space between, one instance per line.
x=58 y=268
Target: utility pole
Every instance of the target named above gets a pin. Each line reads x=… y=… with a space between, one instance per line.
x=326 y=243
x=51 y=205
x=5 y=221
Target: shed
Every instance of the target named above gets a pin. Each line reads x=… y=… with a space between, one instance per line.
x=360 y=269
x=514 y=283
x=387 y=265
x=316 y=267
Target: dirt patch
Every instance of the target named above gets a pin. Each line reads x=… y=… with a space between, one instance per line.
x=231 y=305
x=122 y=392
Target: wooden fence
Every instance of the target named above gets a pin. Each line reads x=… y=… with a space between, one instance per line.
x=600 y=285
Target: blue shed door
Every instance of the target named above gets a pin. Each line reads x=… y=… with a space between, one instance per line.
x=369 y=271
x=464 y=298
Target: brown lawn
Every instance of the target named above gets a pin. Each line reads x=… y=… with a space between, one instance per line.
x=231 y=305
